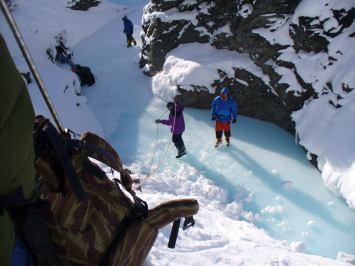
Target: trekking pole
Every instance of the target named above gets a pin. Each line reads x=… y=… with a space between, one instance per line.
x=10 y=20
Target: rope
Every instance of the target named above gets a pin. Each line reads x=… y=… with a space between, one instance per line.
x=156 y=144
x=148 y=176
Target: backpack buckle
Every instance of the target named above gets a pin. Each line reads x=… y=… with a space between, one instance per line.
x=189 y=221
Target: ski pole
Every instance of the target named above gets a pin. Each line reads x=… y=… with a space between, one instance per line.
x=10 y=20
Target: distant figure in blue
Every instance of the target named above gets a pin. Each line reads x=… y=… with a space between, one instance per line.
x=128 y=29
x=222 y=108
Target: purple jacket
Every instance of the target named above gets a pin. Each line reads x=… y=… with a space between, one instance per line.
x=179 y=127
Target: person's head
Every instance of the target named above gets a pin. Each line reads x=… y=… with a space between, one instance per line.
x=170 y=105
x=225 y=93
x=124 y=18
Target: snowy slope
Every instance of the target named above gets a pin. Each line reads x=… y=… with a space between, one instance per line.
x=325 y=124
x=217 y=238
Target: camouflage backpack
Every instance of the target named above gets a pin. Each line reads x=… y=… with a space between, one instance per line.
x=82 y=217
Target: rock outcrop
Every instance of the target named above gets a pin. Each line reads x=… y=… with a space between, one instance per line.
x=83 y=5
x=273 y=102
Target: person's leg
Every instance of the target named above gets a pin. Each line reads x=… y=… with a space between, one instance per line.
x=179 y=144
x=129 y=37
x=227 y=131
x=219 y=131
x=134 y=41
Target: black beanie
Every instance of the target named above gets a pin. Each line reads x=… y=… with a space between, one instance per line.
x=169 y=104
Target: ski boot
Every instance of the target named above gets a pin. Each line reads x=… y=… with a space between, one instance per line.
x=227 y=142
x=181 y=152
x=129 y=45
x=218 y=142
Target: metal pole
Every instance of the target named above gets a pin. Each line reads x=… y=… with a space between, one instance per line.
x=30 y=63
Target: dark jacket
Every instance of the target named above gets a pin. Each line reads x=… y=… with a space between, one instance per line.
x=128 y=26
x=179 y=126
x=222 y=110
x=17 y=150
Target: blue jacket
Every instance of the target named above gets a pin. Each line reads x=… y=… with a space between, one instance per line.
x=222 y=110
x=128 y=26
x=179 y=126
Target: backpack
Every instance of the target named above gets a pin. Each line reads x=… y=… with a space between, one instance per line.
x=81 y=217
x=85 y=75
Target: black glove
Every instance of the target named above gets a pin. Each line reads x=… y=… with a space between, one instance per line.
x=234 y=120
x=213 y=118
x=132 y=32
x=124 y=31
x=157 y=121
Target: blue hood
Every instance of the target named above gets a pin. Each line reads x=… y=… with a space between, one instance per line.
x=225 y=90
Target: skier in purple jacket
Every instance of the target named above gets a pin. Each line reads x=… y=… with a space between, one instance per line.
x=177 y=126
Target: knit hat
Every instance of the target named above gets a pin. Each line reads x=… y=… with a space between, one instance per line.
x=169 y=104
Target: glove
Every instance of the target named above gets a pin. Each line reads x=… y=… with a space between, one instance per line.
x=213 y=118
x=234 y=120
x=124 y=31
x=157 y=121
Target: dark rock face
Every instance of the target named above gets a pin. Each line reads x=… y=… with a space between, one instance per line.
x=83 y=5
x=256 y=100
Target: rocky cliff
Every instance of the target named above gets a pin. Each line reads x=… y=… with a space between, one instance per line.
x=231 y=25
x=83 y=5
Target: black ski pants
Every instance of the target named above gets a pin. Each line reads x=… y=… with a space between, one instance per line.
x=178 y=141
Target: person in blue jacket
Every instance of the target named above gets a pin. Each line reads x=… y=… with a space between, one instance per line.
x=128 y=29
x=222 y=108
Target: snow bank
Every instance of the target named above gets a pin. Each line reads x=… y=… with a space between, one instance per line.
x=188 y=65
x=324 y=129
x=39 y=23
x=217 y=227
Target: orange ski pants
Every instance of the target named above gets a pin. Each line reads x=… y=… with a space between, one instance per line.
x=226 y=126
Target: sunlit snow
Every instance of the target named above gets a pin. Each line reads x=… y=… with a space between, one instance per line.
x=261 y=201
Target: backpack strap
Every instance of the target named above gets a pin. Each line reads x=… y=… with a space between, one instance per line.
x=92 y=145
x=82 y=144
x=141 y=205
x=174 y=233
x=188 y=222
x=36 y=231
x=97 y=172
x=66 y=163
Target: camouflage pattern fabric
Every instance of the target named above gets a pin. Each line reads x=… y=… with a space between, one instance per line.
x=105 y=228
x=126 y=179
x=81 y=231
x=135 y=243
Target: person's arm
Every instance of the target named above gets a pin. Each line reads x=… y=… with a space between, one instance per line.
x=169 y=122
x=213 y=110
x=17 y=150
x=234 y=109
